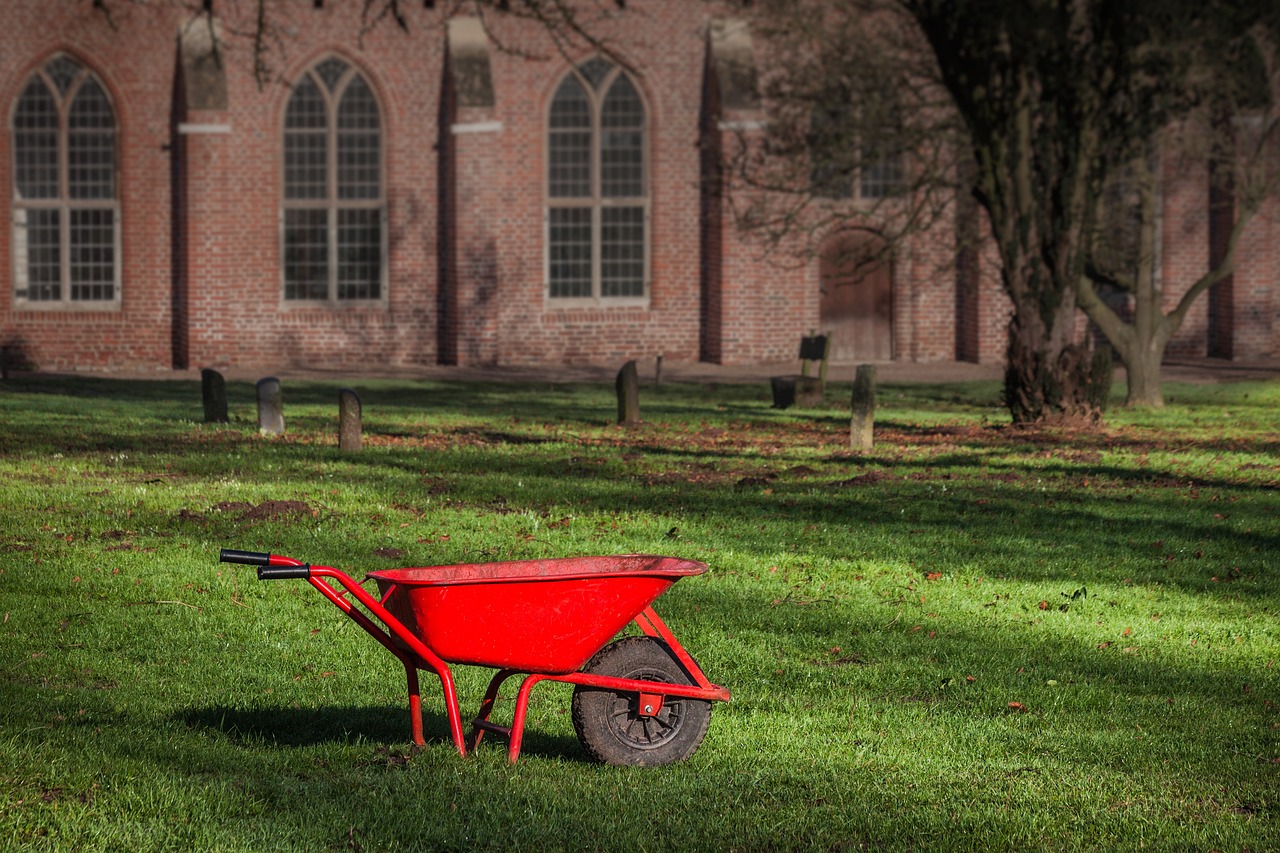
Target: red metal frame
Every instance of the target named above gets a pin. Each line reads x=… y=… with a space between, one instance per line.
x=415 y=655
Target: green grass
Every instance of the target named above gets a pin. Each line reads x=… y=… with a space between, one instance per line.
x=974 y=637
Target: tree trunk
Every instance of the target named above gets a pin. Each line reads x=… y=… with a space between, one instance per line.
x=1047 y=374
x=1143 y=369
x=1047 y=384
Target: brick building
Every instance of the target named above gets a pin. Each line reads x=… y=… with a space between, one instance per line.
x=453 y=193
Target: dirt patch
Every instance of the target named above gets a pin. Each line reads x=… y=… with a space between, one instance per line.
x=1086 y=457
x=272 y=510
x=244 y=511
x=868 y=479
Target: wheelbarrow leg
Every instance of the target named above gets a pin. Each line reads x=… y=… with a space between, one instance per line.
x=415 y=703
x=416 y=656
x=481 y=723
x=451 y=709
x=450 y=705
x=517 y=722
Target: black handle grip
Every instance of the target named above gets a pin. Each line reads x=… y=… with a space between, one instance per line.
x=244 y=558
x=280 y=573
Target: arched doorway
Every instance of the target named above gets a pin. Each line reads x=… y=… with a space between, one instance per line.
x=856 y=307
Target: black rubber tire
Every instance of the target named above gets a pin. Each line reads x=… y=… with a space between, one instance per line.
x=608 y=723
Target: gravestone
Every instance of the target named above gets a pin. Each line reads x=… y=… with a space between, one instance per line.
x=349 y=427
x=628 y=385
x=862 y=426
x=270 y=406
x=213 y=390
x=657 y=371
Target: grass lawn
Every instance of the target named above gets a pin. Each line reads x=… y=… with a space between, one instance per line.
x=972 y=638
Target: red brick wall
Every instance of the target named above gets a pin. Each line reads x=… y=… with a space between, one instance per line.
x=238 y=314
x=667 y=44
x=201 y=220
x=139 y=331
x=1237 y=318
x=1253 y=324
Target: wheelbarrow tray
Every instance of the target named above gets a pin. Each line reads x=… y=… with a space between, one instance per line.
x=544 y=616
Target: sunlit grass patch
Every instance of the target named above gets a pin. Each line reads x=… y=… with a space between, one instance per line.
x=973 y=637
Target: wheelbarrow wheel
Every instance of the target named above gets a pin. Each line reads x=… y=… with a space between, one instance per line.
x=609 y=724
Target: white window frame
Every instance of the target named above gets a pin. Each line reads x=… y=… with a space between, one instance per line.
x=63 y=203
x=331 y=203
x=596 y=202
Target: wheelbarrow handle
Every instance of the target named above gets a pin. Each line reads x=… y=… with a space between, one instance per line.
x=269 y=568
x=279 y=573
x=244 y=558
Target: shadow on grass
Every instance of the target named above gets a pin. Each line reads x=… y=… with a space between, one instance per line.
x=377 y=724
x=900 y=507
x=847 y=773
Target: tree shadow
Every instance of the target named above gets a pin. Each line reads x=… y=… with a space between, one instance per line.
x=384 y=725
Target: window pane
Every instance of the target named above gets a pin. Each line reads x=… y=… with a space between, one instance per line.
x=330 y=71
x=359 y=169
x=43 y=254
x=622 y=142
x=883 y=178
x=622 y=251
x=93 y=250
x=622 y=107
x=359 y=254
x=569 y=155
x=62 y=71
x=35 y=143
x=306 y=143
x=91 y=145
x=306 y=254
x=570 y=109
x=595 y=70
x=306 y=174
x=621 y=164
x=569 y=164
x=570 y=251
x=306 y=110
x=831 y=162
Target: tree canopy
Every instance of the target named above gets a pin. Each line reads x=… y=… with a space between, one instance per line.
x=1040 y=104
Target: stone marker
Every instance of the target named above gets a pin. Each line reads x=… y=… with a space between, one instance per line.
x=657 y=371
x=628 y=384
x=213 y=389
x=348 y=420
x=864 y=408
x=270 y=406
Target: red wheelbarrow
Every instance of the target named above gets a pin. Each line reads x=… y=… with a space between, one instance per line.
x=637 y=700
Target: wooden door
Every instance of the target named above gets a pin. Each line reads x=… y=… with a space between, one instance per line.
x=856 y=307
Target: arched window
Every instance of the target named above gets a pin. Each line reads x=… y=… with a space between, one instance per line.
x=66 y=233
x=597 y=187
x=334 y=246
